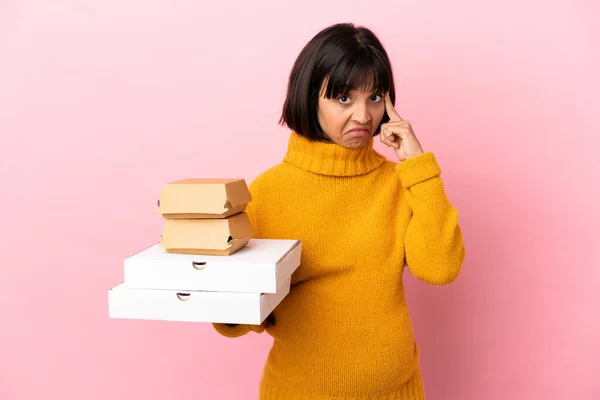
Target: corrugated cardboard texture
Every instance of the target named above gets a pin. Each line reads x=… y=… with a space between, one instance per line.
x=194 y=198
x=222 y=236
x=236 y=244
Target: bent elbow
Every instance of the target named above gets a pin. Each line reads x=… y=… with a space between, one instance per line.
x=440 y=271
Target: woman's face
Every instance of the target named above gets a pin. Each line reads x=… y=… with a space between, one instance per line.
x=351 y=120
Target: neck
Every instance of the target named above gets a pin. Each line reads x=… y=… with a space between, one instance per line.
x=330 y=158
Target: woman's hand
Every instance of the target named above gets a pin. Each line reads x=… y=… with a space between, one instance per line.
x=398 y=133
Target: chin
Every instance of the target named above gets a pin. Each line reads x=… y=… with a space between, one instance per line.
x=356 y=143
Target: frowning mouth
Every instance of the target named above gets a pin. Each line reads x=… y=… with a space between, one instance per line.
x=358 y=132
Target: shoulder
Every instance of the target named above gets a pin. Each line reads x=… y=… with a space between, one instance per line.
x=268 y=179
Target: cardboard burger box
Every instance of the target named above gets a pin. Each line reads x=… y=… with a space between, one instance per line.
x=243 y=288
x=221 y=237
x=205 y=216
x=194 y=198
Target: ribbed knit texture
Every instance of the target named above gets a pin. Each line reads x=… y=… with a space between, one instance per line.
x=344 y=331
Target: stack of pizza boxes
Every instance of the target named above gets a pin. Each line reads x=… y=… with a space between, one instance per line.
x=207 y=267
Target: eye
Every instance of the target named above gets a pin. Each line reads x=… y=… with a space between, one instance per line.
x=376 y=98
x=344 y=99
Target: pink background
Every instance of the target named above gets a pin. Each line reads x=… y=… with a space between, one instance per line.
x=103 y=102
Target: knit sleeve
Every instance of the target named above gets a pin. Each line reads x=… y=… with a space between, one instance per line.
x=235 y=330
x=434 y=246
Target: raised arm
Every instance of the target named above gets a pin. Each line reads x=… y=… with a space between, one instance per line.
x=434 y=246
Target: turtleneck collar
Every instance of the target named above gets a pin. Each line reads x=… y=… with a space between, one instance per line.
x=330 y=158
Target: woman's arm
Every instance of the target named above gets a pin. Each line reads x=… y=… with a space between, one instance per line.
x=433 y=243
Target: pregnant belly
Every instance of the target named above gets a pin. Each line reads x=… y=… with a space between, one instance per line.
x=327 y=342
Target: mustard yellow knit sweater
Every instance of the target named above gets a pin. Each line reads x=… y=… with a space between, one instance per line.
x=344 y=331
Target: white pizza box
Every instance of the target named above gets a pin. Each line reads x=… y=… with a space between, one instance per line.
x=262 y=266
x=194 y=306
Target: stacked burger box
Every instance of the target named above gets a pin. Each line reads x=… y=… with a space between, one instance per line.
x=205 y=216
x=206 y=266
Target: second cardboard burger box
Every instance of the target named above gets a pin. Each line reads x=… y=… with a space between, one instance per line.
x=219 y=237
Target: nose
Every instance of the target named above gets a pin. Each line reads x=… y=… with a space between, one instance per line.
x=361 y=113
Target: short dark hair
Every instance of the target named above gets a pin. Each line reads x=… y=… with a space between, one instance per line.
x=349 y=58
